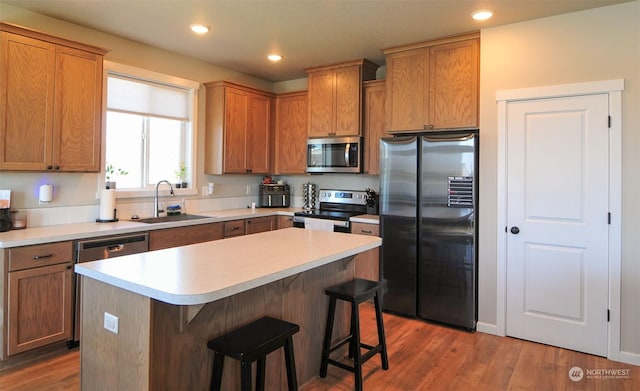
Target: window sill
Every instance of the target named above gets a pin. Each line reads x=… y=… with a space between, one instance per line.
x=164 y=191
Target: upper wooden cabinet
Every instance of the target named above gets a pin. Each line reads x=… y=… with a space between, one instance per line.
x=375 y=94
x=50 y=102
x=433 y=85
x=238 y=129
x=335 y=98
x=291 y=133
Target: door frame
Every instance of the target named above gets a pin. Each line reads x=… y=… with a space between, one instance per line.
x=614 y=89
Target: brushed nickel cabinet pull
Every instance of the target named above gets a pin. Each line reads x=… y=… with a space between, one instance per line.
x=36 y=257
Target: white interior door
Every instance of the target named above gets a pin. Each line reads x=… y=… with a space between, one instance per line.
x=557 y=214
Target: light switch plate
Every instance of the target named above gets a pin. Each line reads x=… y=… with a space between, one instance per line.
x=111 y=322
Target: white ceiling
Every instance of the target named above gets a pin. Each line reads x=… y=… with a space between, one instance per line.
x=306 y=32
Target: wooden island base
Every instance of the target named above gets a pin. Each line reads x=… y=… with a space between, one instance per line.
x=157 y=348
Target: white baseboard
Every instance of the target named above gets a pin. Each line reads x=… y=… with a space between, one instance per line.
x=488 y=328
x=627 y=358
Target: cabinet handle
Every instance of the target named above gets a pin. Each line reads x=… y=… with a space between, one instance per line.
x=57 y=167
x=49 y=167
x=429 y=127
x=235 y=228
x=36 y=257
x=364 y=231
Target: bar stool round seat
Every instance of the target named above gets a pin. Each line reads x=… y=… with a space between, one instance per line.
x=252 y=343
x=355 y=292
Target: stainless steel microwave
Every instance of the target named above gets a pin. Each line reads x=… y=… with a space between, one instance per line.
x=334 y=154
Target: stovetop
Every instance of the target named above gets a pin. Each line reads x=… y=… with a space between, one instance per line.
x=338 y=205
x=331 y=215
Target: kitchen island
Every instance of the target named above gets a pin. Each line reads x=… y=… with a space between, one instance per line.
x=169 y=303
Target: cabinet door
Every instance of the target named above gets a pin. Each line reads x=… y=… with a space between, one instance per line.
x=374 y=124
x=321 y=104
x=235 y=127
x=453 y=82
x=407 y=89
x=26 y=104
x=367 y=264
x=291 y=134
x=260 y=224
x=78 y=111
x=348 y=90
x=285 y=222
x=39 y=307
x=182 y=236
x=258 y=133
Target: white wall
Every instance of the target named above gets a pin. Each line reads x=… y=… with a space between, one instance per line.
x=598 y=44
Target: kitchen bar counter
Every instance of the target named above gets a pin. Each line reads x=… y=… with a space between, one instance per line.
x=169 y=303
x=205 y=272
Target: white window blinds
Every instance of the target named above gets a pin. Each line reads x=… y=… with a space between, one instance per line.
x=135 y=96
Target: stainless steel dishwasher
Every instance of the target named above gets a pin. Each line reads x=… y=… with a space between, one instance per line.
x=104 y=248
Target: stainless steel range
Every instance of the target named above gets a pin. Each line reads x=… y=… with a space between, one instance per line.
x=337 y=206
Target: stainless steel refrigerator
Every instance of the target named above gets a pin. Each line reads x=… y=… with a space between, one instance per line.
x=428 y=211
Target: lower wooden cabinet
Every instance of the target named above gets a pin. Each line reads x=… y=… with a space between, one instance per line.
x=39 y=300
x=182 y=236
x=285 y=222
x=234 y=228
x=260 y=224
x=367 y=263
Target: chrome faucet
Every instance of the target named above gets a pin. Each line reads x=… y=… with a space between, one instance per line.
x=156 y=207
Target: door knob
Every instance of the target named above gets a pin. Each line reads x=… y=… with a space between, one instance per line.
x=515 y=230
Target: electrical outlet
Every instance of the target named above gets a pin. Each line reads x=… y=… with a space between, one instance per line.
x=111 y=322
x=248 y=189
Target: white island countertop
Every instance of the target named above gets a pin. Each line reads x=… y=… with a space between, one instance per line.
x=205 y=272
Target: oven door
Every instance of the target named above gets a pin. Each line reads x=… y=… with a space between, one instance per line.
x=341 y=154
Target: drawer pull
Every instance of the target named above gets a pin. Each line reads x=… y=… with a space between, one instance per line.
x=36 y=257
x=366 y=232
x=235 y=228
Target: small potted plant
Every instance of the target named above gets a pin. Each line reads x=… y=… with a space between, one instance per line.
x=371 y=200
x=181 y=176
x=111 y=173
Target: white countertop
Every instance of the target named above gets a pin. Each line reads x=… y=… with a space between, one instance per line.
x=59 y=233
x=205 y=272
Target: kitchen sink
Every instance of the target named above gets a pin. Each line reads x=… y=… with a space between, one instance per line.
x=168 y=219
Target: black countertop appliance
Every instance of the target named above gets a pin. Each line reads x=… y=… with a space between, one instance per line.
x=274 y=196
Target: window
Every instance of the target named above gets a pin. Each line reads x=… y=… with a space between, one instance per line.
x=149 y=129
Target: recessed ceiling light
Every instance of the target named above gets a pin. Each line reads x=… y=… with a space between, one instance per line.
x=274 y=57
x=200 y=28
x=483 y=14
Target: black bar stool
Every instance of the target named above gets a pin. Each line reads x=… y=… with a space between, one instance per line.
x=252 y=343
x=355 y=291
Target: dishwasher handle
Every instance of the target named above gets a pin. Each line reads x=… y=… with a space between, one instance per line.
x=115 y=249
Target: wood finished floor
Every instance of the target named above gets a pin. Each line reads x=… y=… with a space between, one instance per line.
x=422 y=356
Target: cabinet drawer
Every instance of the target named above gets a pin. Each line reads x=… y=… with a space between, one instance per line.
x=183 y=236
x=233 y=228
x=39 y=255
x=365 y=229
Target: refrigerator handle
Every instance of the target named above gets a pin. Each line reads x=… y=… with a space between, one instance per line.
x=450 y=137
